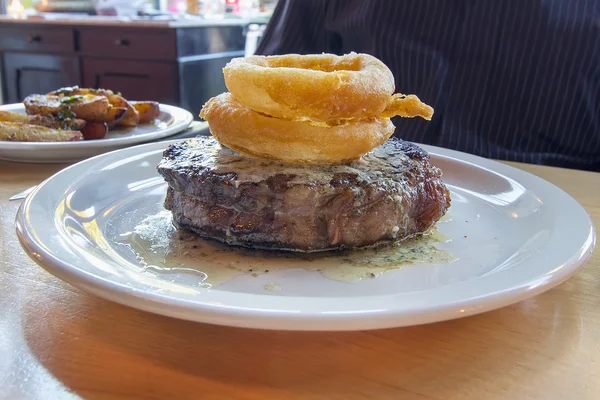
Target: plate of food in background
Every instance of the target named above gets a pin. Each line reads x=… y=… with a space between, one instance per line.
x=74 y=123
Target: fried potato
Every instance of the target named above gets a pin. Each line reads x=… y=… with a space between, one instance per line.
x=94 y=130
x=87 y=107
x=77 y=91
x=66 y=124
x=40 y=120
x=131 y=117
x=17 y=132
x=111 y=116
x=91 y=111
x=9 y=116
x=148 y=110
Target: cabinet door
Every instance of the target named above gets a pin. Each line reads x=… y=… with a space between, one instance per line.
x=137 y=80
x=26 y=74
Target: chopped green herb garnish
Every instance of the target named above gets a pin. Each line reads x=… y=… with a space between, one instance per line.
x=66 y=90
x=66 y=114
x=71 y=99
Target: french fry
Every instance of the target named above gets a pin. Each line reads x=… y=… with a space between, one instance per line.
x=17 y=132
x=148 y=110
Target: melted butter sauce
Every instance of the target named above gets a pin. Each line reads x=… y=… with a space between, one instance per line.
x=162 y=249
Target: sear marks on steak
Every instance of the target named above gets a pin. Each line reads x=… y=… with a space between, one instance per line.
x=391 y=194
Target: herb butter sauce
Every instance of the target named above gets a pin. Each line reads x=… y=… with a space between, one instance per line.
x=162 y=249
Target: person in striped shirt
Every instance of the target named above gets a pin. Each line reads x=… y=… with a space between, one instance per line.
x=511 y=80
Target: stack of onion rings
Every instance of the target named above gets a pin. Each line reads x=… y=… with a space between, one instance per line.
x=308 y=109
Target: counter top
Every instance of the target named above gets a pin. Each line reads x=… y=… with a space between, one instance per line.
x=187 y=22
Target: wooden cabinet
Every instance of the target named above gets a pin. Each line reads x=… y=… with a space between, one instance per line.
x=175 y=65
x=36 y=59
x=137 y=80
x=39 y=39
x=25 y=74
x=139 y=44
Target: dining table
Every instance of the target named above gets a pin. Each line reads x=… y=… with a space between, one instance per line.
x=57 y=341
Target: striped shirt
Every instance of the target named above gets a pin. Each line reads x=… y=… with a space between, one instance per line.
x=513 y=79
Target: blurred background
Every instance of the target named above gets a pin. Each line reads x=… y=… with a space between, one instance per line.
x=514 y=81
x=170 y=51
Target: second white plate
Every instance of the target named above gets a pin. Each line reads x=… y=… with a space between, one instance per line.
x=515 y=235
x=171 y=120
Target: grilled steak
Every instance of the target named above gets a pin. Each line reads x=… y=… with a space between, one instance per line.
x=393 y=193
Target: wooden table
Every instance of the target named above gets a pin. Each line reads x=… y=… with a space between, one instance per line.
x=59 y=342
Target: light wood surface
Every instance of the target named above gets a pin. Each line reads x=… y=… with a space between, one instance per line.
x=59 y=342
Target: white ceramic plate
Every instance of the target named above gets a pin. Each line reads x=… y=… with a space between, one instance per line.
x=516 y=236
x=171 y=120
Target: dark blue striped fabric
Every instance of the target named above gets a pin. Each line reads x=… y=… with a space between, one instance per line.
x=508 y=79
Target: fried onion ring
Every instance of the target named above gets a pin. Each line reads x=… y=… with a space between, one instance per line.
x=407 y=106
x=320 y=87
x=254 y=134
